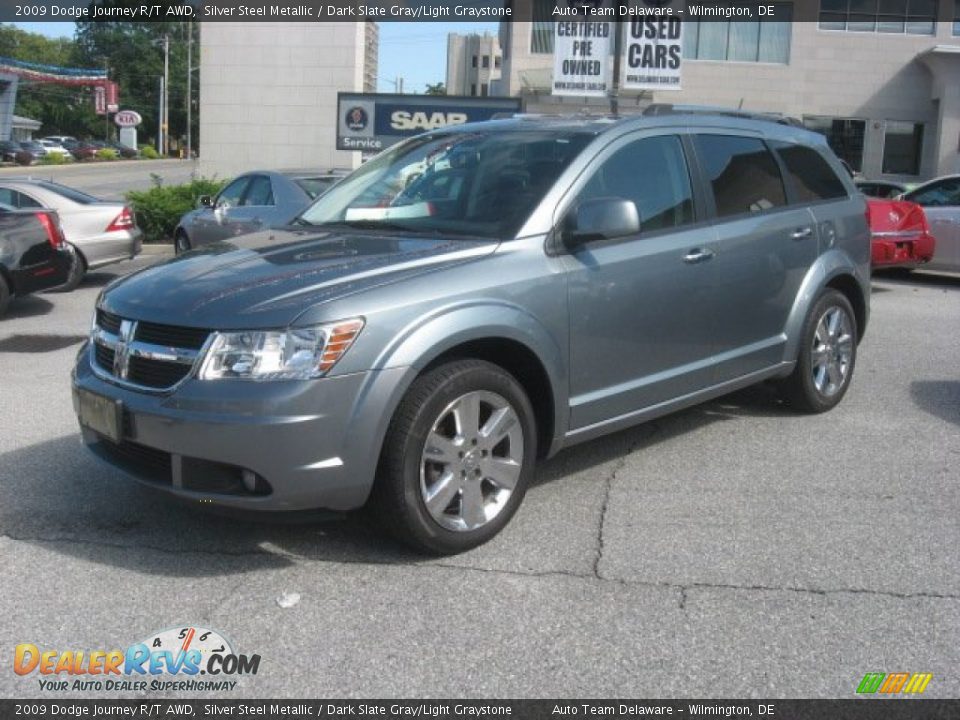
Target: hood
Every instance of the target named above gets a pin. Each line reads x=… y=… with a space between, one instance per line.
x=267 y=279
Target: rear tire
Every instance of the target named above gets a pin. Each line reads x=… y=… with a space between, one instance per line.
x=457 y=459
x=827 y=356
x=77 y=272
x=4 y=296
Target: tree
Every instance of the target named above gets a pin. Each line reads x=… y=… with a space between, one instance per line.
x=133 y=54
x=436 y=89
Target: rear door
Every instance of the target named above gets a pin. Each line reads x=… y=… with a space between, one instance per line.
x=640 y=306
x=764 y=248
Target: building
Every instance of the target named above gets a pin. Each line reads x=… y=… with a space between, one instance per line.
x=473 y=65
x=884 y=89
x=268 y=92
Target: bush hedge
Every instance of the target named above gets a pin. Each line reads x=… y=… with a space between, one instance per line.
x=149 y=152
x=107 y=154
x=160 y=208
x=55 y=159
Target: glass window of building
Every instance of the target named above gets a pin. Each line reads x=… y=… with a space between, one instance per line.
x=902 y=148
x=844 y=135
x=486 y=61
x=915 y=17
x=956 y=17
x=541 y=31
x=767 y=42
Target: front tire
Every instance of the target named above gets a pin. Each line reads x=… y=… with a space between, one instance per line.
x=181 y=243
x=457 y=459
x=4 y=296
x=828 y=354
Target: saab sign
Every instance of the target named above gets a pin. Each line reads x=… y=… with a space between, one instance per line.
x=373 y=121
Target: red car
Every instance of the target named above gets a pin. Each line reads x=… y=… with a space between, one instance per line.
x=900 y=234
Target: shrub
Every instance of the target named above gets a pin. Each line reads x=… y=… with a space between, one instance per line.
x=54 y=159
x=128 y=152
x=149 y=152
x=160 y=208
x=107 y=154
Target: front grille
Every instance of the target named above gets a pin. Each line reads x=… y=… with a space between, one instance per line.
x=183 y=337
x=145 y=354
x=156 y=373
x=104 y=356
x=108 y=321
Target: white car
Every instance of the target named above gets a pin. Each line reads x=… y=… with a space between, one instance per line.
x=100 y=231
x=55 y=148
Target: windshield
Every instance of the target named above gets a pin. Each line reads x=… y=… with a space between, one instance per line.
x=467 y=183
x=314 y=187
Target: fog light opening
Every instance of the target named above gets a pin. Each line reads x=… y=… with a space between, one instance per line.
x=249 y=480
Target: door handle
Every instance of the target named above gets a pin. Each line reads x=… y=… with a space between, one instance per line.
x=801 y=233
x=698 y=255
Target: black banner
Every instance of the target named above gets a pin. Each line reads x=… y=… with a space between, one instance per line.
x=874 y=709
x=405 y=10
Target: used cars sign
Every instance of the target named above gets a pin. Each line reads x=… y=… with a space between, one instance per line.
x=374 y=121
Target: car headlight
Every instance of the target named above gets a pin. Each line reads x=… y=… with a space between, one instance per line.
x=291 y=354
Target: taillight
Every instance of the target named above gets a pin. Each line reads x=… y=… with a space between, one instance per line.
x=123 y=221
x=52 y=228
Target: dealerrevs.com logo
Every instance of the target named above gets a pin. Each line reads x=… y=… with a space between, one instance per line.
x=170 y=660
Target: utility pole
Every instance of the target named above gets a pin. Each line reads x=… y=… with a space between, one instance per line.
x=189 y=89
x=166 y=95
x=160 y=119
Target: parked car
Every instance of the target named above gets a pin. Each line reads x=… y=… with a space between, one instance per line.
x=101 y=232
x=882 y=188
x=899 y=234
x=9 y=150
x=418 y=346
x=33 y=254
x=37 y=150
x=81 y=149
x=940 y=199
x=253 y=201
x=60 y=139
x=54 y=148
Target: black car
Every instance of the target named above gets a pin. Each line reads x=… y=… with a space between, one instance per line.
x=33 y=254
x=9 y=150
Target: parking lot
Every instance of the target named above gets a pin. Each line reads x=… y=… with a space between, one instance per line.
x=733 y=550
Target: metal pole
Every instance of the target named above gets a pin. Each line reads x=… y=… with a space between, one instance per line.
x=615 y=85
x=166 y=95
x=160 y=119
x=190 y=90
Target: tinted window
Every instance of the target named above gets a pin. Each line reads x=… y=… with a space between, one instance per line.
x=259 y=193
x=811 y=175
x=230 y=195
x=17 y=199
x=653 y=173
x=742 y=172
x=943 y=193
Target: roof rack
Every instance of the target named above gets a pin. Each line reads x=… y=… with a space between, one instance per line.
x=669 y=109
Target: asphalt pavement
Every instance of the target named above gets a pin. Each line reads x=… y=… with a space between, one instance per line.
x=736 y=549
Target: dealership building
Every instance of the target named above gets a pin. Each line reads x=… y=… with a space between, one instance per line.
x=268 y=92
x=884 y=88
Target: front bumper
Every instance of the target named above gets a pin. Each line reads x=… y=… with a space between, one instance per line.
x=309 y=445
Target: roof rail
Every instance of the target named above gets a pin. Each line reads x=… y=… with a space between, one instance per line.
x=669 y=109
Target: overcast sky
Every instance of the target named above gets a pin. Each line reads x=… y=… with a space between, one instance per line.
x=415 y=51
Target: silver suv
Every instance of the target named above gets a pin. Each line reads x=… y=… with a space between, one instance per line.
x=474 y=299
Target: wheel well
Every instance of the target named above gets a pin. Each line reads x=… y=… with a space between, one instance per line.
x=851 y=289
x=521 y=362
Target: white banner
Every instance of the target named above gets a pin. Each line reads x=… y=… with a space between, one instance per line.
x=652 y=55
x=581 y=58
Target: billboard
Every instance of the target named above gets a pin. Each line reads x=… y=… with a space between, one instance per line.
x=653 y=55
x=371 y=122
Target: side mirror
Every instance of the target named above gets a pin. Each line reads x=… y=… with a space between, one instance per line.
x=204 y=201
x=602 y=219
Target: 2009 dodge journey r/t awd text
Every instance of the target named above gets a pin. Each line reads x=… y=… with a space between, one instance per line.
x=476 y=298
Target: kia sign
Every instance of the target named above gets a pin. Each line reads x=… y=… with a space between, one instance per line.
x=127 y=118
x=373 y=121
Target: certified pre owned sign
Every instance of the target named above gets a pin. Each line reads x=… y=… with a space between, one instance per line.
x=127 y=118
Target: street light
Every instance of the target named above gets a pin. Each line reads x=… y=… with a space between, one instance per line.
x=162 y=139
